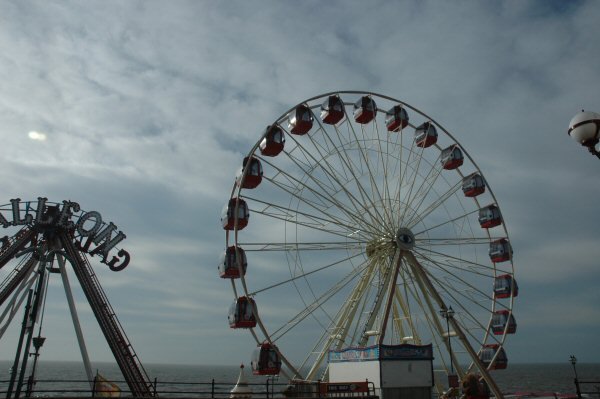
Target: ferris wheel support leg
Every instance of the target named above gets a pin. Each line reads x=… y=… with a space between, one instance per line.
x=379 y=298
x=391 y=291
x=341 y=327
x=419 y=271
x=351 y=306
x=440 y=329
x=75 y=318
x=406 y=312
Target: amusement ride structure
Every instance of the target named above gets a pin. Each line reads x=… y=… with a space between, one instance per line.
x=43 y=238
x=357 y=220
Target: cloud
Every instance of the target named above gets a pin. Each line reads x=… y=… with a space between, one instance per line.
x=149 y=108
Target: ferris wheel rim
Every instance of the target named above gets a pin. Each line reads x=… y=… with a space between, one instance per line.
x=237 y=190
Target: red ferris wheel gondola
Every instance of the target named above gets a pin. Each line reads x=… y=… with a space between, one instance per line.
x=505 y=286
x=254 y=175
x=300 y=120
x=266 y=360
x=332 y=110
x=451 y=157
x=272 y=142
x=473 y=185
x=242 y=313
x=229 y=217
x=490 y=216
x=365 y=110
x=500 y=250
x=503 y=320
x=228 y=266
x=426 y=135
x=488 y=352
x=396 y=118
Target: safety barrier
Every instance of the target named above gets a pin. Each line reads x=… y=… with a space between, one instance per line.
x=176 y=389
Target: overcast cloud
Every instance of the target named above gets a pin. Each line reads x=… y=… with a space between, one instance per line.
x=143 y=111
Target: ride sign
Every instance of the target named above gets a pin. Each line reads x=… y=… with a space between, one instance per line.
x=92 y=235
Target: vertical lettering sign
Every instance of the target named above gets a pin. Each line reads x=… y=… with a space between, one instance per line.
x=92 y=235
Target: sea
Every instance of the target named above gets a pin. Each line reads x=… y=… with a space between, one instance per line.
x=56 y=377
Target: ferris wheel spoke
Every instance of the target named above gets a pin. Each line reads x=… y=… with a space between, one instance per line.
x=317 y=304
x=348 y=167
x=328 y=146
x=374 y=187
x=360 y=207
x=394 y=170
x=374 y=165
x=419 y=242
x=352 y=168
x=303 y=246
x=275 y=211
x=323 y=214
x=415 y=174
x=400 y=168
x=309 y=166
x=328 y=203
x=385 y=161
x=427 y=184
x=434 y=205
x=287 y=183
x=404 y=178
x=463 y=264
x=468 y=287
x=324 y=187
x=454 y=220
x=304 y=274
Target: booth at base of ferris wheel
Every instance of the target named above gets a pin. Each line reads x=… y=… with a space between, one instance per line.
x=397 y=371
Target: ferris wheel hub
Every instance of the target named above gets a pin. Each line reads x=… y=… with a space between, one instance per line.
x=380 y=246
x=405 y=239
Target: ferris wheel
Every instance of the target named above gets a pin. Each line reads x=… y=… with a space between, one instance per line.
x=356 y=220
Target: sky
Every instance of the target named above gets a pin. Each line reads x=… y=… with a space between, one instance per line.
x=143 y=110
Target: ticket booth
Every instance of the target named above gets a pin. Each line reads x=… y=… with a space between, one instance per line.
x=397 y=371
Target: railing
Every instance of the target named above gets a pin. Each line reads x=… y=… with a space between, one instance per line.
x=591 y=388
x=212 y=389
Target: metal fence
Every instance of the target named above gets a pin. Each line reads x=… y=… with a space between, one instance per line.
x=176 y=389
x=587 y=388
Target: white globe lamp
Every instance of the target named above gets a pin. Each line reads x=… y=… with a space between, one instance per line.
x=585 y=129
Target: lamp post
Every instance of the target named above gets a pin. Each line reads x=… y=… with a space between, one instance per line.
x=585 y=129
x=449 y=314
x=573 y=361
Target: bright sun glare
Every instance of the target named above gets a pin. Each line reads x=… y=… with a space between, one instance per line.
x=37 y=136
